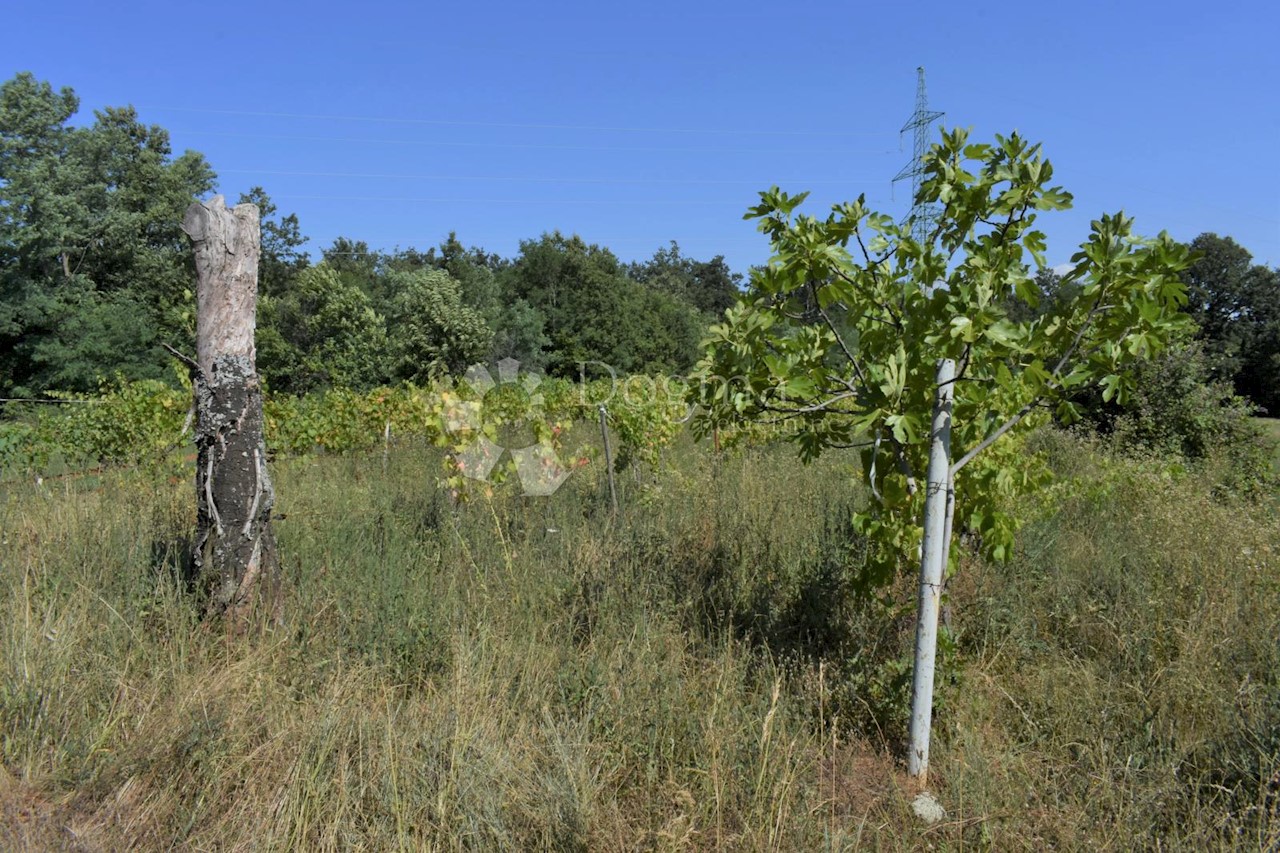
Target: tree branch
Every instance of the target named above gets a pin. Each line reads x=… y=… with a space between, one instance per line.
x=894 y=320
x=850 y=446
x=191 y=364
x=1094 y=310
x=824 y=405
x=853 y=362
x=995 y=436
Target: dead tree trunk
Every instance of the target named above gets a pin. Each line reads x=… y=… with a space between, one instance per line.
x=235 y=551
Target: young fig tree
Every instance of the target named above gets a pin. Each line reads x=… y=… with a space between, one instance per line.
x=864 y=337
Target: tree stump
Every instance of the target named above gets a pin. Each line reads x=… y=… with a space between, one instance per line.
x=234 y=550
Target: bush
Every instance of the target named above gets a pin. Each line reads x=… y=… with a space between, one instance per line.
x=1176 y=409
x=128 y=423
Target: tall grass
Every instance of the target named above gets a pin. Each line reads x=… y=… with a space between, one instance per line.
x=535 y=674
x=1123 y=673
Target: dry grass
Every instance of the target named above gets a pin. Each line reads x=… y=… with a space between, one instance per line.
x=532 y=675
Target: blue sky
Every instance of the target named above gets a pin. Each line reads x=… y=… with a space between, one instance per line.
x=636 y=124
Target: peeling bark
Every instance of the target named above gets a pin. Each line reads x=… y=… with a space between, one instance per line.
x=235 y=551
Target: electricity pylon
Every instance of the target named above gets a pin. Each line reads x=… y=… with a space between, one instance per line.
x=922 y=216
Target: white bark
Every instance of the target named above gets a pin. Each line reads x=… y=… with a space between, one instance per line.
x=932 y=566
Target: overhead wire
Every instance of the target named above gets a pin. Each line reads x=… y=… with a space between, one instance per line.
x=601 y=128
x=518 y=125
x=523 y=145
x=448 y=200
x=530 y=179
x=405 y=120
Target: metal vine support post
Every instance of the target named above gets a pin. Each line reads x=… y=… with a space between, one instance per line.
x=235 y=549
x=608 y=457
x=933 y=563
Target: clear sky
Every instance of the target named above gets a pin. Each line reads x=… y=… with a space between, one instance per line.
x=636 y=124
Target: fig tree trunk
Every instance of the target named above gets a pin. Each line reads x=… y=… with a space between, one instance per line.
x=933 y=565
x=235 y=551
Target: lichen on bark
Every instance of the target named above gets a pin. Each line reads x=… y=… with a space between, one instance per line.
x=235 y=552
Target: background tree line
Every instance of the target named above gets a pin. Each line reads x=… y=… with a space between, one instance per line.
x=95 y=274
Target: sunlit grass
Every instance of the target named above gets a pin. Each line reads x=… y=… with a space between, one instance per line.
x=535 y=674
x=1271 y=426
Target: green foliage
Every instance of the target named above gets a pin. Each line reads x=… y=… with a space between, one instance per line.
x=92 y=332
x=356 y=264
x=127 y=423
x=130 y=423
x=520 y=334
x=709 y=286
x=340 y=420
x=646 y=413
x=432 y=331
x=1176 y=409
x=321 y=333
x=560 y=306
x=1236 y=305
x=93 y=264
x=843 y=330
x=1051 y=295
x=95 y=273
x=595 y=315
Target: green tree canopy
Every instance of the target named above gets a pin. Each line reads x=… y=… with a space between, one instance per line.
x=842 y=331
x=863 y=336
x=596 y=314
x=710 y=286
x=322 y=332
x=431 y=330
x=1236 y=305
x=94 y=267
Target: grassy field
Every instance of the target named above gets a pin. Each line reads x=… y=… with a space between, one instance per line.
x=533 y=674
x=1271 y=427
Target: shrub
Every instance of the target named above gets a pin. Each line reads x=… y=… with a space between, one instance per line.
x=1176 y=409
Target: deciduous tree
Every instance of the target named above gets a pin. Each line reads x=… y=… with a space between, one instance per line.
x=905 y=349
x=431 y=331
x=90 y=248
x=1236 y=305
x=321 y=333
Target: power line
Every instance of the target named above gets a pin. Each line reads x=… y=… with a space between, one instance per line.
x=705 y=182
x=442 y=200
x=524 y=179
x=737 y=238
x=519 y=125
x=1108 y=182
x=48 y=402
x=538 y=147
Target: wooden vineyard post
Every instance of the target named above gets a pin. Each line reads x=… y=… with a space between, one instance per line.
x=235 y=549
